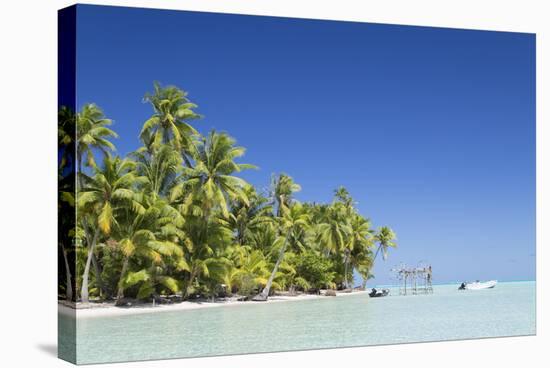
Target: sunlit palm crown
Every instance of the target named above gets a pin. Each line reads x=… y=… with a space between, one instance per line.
x=282 y=189
x=152 y=234
x=385 y=237
x=211 y=179
x=158 y=169
x=246 y=217
x=170 y=120
x=111 y=185
x=360 y=233
x=295 y=218
x=65 y=136
x=93 y=132
x=335 y=229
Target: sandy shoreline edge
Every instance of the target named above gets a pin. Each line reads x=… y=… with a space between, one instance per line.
x=111 y=310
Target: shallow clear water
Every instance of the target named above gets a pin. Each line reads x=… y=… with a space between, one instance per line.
x=356 y=320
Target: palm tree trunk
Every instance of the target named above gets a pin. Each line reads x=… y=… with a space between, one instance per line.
x=79 y=173
x=191 y=279
x=85 y=276
x=84 y=292
x=346 y=266
x=376 y=254
x=120 y=291
x=374 y=258
x=194 y=272
x=265 y=292
x=69 y=286
x=98 y=279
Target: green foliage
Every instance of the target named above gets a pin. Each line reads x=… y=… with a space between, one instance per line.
x=385 y=237
x=316 y=270
x=282 y=189
x=169 y=123
x=175 y=217
x=210 y=185
x=92 y=132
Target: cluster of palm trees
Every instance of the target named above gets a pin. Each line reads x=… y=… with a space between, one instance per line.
x=174 y=217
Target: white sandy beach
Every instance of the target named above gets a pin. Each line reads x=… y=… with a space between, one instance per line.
x=108 y=309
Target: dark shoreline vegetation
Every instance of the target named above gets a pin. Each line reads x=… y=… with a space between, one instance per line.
x=173 y=219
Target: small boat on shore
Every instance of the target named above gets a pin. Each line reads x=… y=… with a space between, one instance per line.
x=378 y=293
x=478 y=285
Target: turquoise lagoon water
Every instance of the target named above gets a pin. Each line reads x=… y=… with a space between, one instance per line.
x=355 y=320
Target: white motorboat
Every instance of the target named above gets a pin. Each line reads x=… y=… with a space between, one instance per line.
x=478 y=285
x=379 y=293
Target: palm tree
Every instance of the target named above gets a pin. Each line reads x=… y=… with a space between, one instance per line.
x=211 y=181
x=282 y=189
x=158 y=170
x=342 y=195
x=66 y=235
x=385 y=238
x=110 y=186
x=333 y=234
x=92 y=132
x=250 y=269
x=66 y=190
x=207 y=188
x=361 y=241
x=246 y=218
x=288 y=276
x=293 y=221
x=264 y=236
x=150 y=234
x=169 y=123
x=208 y=239
x=65 y=140
x=365 y=272
x=333 y=231
x=151 y=278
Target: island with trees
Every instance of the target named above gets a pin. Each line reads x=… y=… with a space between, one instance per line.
x=174 y=222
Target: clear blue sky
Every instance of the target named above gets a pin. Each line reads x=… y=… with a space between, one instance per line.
x=432 y=130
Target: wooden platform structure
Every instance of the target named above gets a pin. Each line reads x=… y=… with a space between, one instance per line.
x=414 y=280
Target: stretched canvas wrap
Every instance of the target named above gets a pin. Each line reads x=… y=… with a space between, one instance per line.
x=234 y=184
